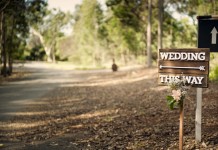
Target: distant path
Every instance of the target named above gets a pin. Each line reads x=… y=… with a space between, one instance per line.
x=15 y=95
x=43 y=78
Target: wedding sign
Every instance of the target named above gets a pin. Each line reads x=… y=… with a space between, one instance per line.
x=179 y=68
x=189 y=64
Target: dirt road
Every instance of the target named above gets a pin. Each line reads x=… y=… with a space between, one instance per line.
x=42 y=78
x=104 y=110
x=18 y=94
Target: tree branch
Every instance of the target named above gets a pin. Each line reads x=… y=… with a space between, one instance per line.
x=5 y=6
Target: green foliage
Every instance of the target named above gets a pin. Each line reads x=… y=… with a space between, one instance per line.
x=199 y=7
x=120 y=32
x=51 y=27
x=171 y=102
x=19 y=15
x=49 y=32
x=88 y=31
x=173 y=37
x=35 y=11
x=101 y=35
x=214 y=74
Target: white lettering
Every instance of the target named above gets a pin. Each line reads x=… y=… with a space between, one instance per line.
x=187 y=78
x=190 y=79
x=162 y=78
x=171 y=56
x=164 y=56
x=201 y=56
x=193 y=56
x=200 y=80
x=168 y=79
x=194 y=81
x=177 y=77
x=182 y=56
x=177 y=56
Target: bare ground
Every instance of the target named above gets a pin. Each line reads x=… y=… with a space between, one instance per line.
x=122 y=110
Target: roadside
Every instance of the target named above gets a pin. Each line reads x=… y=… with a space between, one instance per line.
x=25 y=86
x=32 y=80
x=105 y=110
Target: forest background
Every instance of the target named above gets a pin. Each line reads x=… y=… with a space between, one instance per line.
x=128 y=31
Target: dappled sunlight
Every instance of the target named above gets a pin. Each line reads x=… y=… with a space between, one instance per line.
x=19 y=125
x=72 y=100
x=46 y=81
x=22 y=125
x=101 y=109
x=106 y=83
x=29 y=102
x=27 y=113
x=91 y=105
x=93 y=114
x=116 y=78
x=77 y=126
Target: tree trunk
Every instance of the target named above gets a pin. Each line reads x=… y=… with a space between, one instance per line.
x=10 y=50
x=48 y=50
x=1 y=40
x=213 y=3
x=1 y=10
x=4 y=53
x=3 y=31
x=53 y=55
x=160 y=23
x=149 y=61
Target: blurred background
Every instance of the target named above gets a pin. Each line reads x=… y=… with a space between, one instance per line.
x=91 y=33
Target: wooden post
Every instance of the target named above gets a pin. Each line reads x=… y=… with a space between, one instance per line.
x=198 y=116
x=181 y=123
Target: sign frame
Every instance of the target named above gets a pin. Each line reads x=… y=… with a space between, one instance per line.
x=185 y=62
x=208 y=32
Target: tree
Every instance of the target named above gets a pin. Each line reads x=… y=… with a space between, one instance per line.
x=160 y=23
x=130 y=17
x=8 y=12
x=86 y=35
x=14 y=22
x=125 y=30
x=4 y=5
x=149 y=61
x=50 y=31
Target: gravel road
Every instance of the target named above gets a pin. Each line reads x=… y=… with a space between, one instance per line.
x=58 y=108
x=42 y=79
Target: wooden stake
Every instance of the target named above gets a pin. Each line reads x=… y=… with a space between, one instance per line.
x=198 y=116
x=181 y=120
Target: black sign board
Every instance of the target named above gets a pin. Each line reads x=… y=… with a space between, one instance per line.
x=208 y=32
